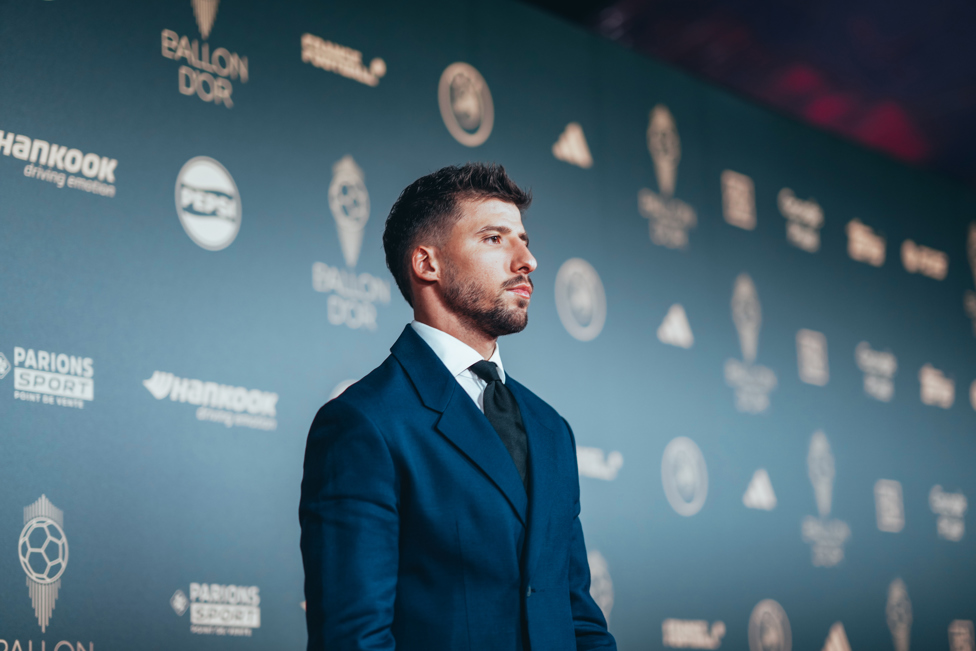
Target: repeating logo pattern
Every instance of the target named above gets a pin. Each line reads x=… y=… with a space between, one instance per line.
x=218 y=403
x=210 y=75
x=899 y=615
x=951 y=508
x=738 y=200
x=341 y=60
x=219 y=609
x=864 y=245
x=692 y=634
x=769 y=628
x=675 y=329
x=837 y=639
x=752 y=382
x=811 y=357
x=760 y=494
x=580 y=299
x=879 y=369
x=961 y=635
x=51 y=378
x=571 y=147
x=825 y=536
x=209 y=207
x=594 y=463
x=935 y=388
x=58 y=164
x=918 y=259
x=465 y=104
x=670 y=219
x=889 y=506
x=352 y=296
x=43 y=550
x=804 y=219
x=685 y=476
x=208 y=203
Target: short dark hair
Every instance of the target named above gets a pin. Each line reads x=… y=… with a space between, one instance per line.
x=430 y=205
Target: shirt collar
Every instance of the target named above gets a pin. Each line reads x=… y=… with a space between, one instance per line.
x=456 y=355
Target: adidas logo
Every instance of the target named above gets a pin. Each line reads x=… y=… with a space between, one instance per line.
x=759 y=494
x=675 y=329
x=837 y=639
x=571 y=147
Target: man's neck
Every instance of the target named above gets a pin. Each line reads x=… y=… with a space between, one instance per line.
x=471 y=335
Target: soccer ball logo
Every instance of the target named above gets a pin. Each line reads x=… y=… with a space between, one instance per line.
x=43 y=550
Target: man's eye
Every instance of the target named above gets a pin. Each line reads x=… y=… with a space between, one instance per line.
x=495 y=238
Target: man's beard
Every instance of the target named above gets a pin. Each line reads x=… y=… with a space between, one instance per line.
x=476 y=305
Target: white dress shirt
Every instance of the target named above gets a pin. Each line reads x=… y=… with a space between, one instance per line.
x=457 y=356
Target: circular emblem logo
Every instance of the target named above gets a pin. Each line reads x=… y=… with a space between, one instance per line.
x=684 y=476
x=769 y=628
x=208 y=203
x=466 y=105
x=580 y=300
x=5 y=367
x=43 y=550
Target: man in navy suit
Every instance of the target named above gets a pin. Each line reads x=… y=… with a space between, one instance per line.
x=440 y=502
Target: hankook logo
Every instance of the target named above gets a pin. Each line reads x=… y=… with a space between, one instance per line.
x=208 y=203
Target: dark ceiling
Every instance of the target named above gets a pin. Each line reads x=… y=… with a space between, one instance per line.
x=895 y=76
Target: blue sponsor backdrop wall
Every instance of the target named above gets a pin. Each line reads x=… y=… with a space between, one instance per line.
x=192 y=265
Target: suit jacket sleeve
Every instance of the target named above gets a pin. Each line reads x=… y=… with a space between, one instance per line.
x=588 y=620
x=350 y=528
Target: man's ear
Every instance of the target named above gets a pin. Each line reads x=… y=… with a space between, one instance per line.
x=425 y=264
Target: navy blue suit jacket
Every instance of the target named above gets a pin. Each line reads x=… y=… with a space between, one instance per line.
x=417 y=533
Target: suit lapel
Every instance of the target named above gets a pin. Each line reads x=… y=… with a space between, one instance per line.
x=542 y=455
x=465 y=426
x=461 y=421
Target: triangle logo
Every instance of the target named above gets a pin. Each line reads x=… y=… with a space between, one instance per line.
x=837 y=639
x=205 y=12
x=759 y=494
x=572 y=148
x=675 y=329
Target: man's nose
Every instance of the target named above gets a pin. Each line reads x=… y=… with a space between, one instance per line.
x=523 y=261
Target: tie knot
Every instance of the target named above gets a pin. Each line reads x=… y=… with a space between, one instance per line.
x=487 y=371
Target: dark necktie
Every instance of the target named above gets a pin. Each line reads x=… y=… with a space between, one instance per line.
x=504 y=415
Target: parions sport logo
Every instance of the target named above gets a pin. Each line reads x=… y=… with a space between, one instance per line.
x=50 y=377
x=60 y=165
x=209 y=73
x=218 y=403
x=218 y=609
x=208 y=203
